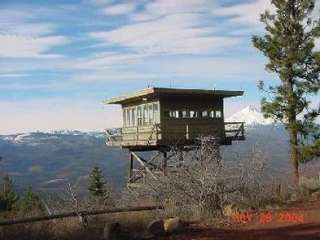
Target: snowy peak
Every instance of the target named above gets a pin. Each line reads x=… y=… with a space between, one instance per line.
x=251 y=116
x=35 y=138
x=251 y=109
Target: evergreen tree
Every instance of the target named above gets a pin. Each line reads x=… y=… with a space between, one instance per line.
x=30 y=201
x=97 y=186
x=8 y=197
x=289 y=46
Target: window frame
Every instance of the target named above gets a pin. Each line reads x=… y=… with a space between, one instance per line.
x=139 y=116
x=216 y=114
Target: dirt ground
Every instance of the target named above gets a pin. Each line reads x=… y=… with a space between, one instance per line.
x=299 y=221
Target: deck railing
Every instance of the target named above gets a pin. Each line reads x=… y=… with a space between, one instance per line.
x=113 y=136
x=139 y=135
x=149 y=135
x=234 y=130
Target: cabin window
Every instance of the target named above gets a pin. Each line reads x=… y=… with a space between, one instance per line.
x=124 y=117
x=176 y=114
x=133 y=117
x=145 y=114
x=185 y=114
x=151 y=114
x=211 y=114
x=204 y=114
x=128 y=118
x=218 y=114
x=182 y=114
x=139 y=116
x=156 y=113
x=193 y=114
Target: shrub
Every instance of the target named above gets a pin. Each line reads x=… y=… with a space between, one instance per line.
x=8 y=196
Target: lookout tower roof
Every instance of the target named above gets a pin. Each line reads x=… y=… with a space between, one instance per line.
x=156 y=92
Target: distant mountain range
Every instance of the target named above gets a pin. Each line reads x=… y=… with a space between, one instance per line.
x=47 y=161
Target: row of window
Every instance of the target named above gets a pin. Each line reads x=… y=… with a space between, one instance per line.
x=148 y=114
x=193 y=114
x=142 y=115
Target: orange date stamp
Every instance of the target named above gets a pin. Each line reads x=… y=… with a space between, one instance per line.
x=268 y=217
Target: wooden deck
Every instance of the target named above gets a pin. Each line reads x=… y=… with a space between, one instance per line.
x=148 y=138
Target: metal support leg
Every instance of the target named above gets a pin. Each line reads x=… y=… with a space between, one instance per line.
x=164 y=163
x=130 y=168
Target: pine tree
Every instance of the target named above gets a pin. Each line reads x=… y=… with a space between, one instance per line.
x=289 y=46
x=30 y=201
x=97 y=184
x=8 y=197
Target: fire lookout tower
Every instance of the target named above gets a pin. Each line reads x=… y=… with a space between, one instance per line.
x=160 y=119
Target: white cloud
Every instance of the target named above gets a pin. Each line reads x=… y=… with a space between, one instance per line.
x=106 y=60
x=112 y=76
x=98 y=2
x=21 y=36
x=29 y=47
x=119 y=9
x=13 y=75
x=56 y=114
x=26 y=29
x=158 y=8
x=162 y=69
x=174 y=34
x=245 y=13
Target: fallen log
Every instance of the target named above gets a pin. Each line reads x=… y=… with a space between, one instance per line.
x=79 y=213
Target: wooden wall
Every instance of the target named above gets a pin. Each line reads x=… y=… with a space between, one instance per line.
x=174 y=130
x=177 y=129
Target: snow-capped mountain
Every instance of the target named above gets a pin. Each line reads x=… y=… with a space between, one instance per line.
x=33 y=138
x=251 y=116
x=42 y=159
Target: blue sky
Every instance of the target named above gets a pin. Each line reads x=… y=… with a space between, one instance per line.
x=60 y=59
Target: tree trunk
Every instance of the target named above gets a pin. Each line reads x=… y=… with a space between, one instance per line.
x=294 y=154
x=292 y=127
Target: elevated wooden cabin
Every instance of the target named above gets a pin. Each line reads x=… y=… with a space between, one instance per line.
x=159 y=117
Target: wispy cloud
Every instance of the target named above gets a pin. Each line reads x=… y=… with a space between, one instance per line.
x=245 y=13
x=14 y=26
x=20 y=37
x=29 y=47
x=13 y=75
x=107 y=60
x=112 y=76
x=119 y=9
x=98 y=2
x=160 y=8
x=172 y=34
